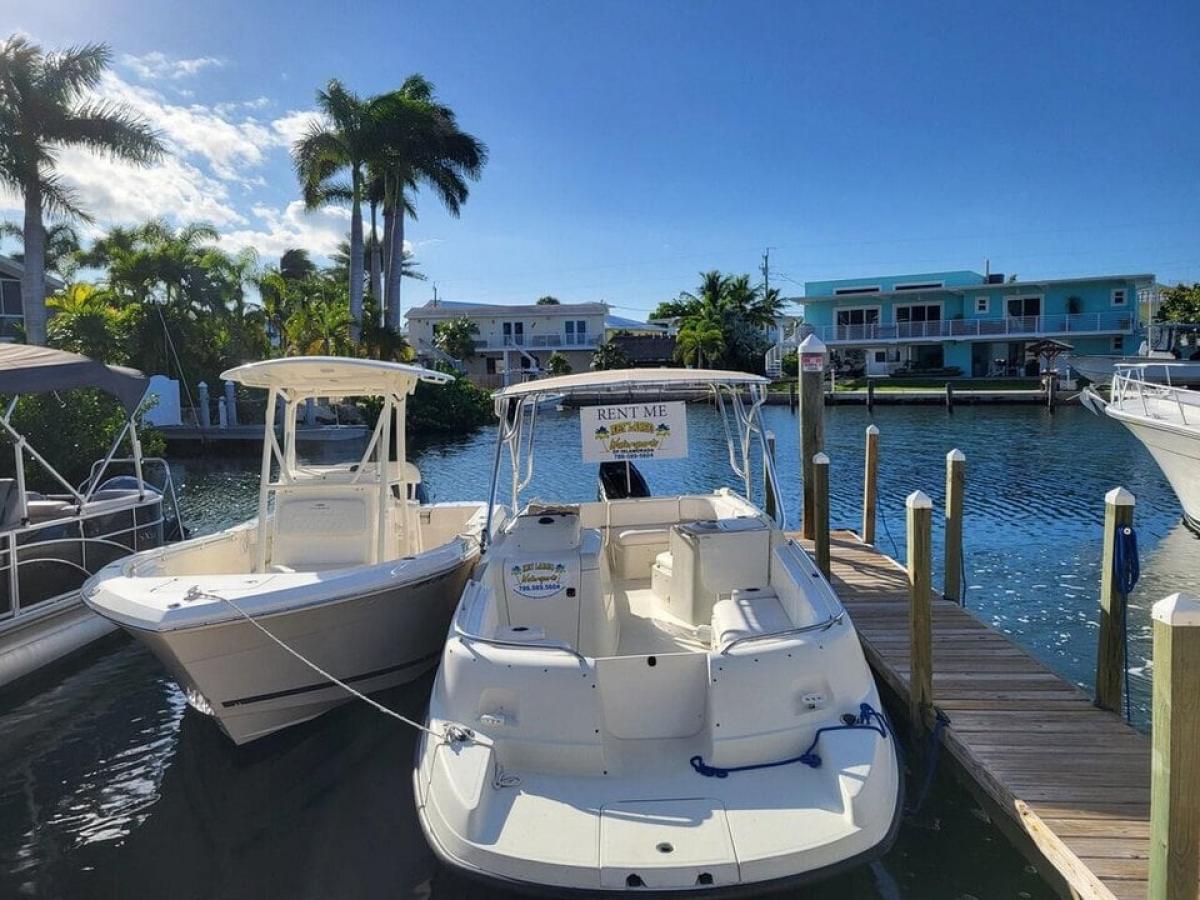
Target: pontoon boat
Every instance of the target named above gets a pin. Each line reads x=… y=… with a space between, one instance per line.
x=659 y=693
x=343 y=564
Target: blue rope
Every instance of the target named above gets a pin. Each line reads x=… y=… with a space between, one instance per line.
x=935 y=746
x=1126 y=572
x=888 y=531
x=868 y=718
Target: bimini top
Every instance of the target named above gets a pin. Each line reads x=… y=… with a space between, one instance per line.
x=623 y=380
x=333 y=375
x=29 y=369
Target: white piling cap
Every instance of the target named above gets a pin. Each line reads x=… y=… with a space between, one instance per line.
x=820 y=459
x=812 y=344
x=1177 y=609
x=918 y=500
x=956 y=455
x=872 y=429
x=1118 y=496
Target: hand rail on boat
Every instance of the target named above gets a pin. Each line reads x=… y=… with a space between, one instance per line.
x=823 y=625
x=470 y=592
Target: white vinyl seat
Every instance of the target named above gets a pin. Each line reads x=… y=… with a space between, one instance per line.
x=637 y=548
x=747 y=612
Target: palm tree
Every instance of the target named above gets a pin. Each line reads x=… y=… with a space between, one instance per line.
x=456 y=337
x=295 y=264
x=62 y=246
x=700 y=339
x=85 y=321
x=43 y=108
x=338 y=145
x=419 y=143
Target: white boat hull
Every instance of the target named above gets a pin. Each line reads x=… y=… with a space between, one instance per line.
x=1100 y=369
x=1176 y=449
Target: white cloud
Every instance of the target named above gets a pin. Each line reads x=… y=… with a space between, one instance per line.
x=156 y=65
x=318 y=231
x=294 y=124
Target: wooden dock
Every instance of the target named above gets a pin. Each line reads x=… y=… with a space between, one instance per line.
x=1074 y=778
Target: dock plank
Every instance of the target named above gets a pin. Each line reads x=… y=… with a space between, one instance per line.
x=1075 y=778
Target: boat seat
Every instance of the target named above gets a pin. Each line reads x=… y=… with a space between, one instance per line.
x=747 y=612
x=323 y=527
x=46 y=510
x=660 y=575
x=636 y=549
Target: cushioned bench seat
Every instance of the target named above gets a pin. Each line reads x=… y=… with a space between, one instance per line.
x=748 y=612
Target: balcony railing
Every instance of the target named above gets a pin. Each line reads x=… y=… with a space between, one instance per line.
x=975 y=328
x=540 y=341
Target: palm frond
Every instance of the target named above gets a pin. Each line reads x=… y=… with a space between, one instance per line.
x=111 y=129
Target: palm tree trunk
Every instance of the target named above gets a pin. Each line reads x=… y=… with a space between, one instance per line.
x=356 y=257
x=396 y=265
x=376 y=265
x=33 y=279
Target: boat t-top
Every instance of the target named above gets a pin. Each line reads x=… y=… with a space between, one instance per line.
x=343 y=568
x=651 y=693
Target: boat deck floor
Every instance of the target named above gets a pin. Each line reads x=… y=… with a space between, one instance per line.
x=646 y=629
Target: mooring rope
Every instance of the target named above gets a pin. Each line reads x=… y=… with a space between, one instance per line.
x=452 y=734
x=941 y=722
x=868 y=718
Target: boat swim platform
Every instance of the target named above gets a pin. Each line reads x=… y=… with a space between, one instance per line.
x=1073 y=778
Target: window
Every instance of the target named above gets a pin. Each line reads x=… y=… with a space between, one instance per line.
x=928 y=312
x=867 y=289
x=922 y=286
x=1118 y=343
x=514 y=333
x=1024 y=306
x=1119 y=297
x=10 y=298
x=982 y=305
x=859 y=316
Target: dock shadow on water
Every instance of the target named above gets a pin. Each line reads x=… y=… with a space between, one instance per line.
x=110 y=787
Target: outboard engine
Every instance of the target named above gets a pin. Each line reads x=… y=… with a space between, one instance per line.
x=621 y=481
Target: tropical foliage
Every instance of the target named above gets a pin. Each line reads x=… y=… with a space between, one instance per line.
x=557 y=364
x=1180 y=304
x=723 y=322
x=44 y=107
x=610 y=356
x=456 y=337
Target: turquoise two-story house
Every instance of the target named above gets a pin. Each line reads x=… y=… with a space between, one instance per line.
x=979 y=325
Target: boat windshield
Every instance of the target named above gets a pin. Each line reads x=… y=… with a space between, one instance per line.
x=636 y=414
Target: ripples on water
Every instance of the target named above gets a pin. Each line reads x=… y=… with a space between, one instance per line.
x=110 y=787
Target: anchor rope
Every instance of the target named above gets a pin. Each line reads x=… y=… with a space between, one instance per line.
x=941 y=722
x=452 y=734
x=868 y=719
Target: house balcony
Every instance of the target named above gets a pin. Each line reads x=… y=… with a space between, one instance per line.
x=975 y=329
x=540 y=342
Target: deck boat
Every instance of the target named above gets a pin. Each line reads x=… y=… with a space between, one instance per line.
x=343 y=564
x=51 y=542
x=1166 y=419
x=655 y=693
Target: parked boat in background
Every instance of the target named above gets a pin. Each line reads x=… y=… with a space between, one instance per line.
x=651 y=693
x=1170 y=351
x=51 y=542
x=1166 y=419
x=343 y=563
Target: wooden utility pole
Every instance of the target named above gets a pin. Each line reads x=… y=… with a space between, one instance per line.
x=1110 y=656
x=812 y=419
x=919 y=510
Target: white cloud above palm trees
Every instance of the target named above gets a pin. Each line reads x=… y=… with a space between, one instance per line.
x=156 y=65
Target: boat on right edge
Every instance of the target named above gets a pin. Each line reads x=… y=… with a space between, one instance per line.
x=1166 y=419
x=651 y=693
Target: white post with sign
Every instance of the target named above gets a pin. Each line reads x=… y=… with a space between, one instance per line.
x=812 y=421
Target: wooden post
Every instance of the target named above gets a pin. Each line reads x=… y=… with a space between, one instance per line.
x=768 y=488
x=1174 y=762
x=870 y=477
x=920 y=611
x=820 y=466
x=812 y=419
x=1110 y=656
x=792 y=395
x=949 y=396
x=956 y=478
x=870 y=395
x=1051 y=377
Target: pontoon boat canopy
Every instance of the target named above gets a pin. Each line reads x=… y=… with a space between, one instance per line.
x=333 y=376
x=617 y=380
x=29 y=369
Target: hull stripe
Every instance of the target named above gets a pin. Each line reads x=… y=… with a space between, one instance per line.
x=321 y=685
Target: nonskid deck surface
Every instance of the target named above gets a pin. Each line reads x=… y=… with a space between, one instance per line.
x=647 y=630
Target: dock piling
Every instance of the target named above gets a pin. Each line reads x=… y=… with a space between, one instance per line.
x=956 y=478
x=919 y=510
x=231 y=416
x=1110 y=655
x=949 y=396
x=870 y=395
x=205 y=410
x=1175 y=764
x=870 y=479
x=768 y=488
x=820 y=467
x=812 y=419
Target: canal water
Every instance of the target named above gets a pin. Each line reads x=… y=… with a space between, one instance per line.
x=111 y=787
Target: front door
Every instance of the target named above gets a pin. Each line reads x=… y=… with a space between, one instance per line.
x=877 y=362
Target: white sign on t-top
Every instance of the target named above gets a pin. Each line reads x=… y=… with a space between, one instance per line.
x=622 y=431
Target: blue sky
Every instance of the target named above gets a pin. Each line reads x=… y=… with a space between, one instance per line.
x=634 y=144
